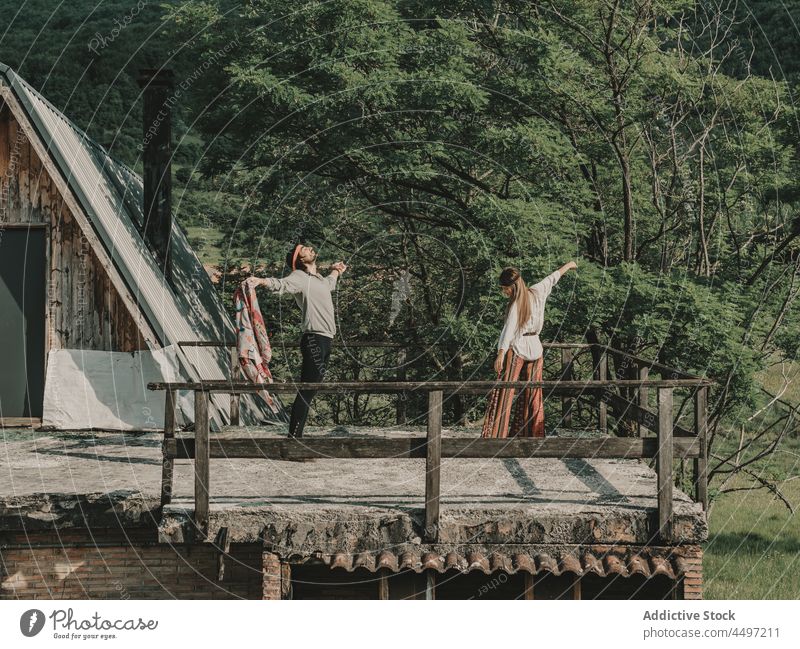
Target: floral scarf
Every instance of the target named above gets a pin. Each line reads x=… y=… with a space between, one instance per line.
x=252 y=343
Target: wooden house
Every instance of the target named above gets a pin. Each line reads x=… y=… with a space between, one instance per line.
x=98 y=285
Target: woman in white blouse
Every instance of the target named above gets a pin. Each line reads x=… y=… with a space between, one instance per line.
x=519 y=357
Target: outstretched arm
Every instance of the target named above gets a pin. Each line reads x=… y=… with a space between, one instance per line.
x=292 y=283
x=544 y=287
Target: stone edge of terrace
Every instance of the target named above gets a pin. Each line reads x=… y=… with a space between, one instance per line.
x=331 y=529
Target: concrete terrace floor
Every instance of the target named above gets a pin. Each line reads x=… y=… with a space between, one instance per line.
x=76 y=479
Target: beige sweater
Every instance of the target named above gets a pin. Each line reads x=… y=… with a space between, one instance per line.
x=313 y=295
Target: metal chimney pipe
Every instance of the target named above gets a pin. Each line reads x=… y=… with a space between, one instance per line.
x=157 y=90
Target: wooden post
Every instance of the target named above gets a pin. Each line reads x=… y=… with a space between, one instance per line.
x=566 y=374
x=286 y=581
x=168 y=463
x=576 y=587
x=201 y=462
x=664 y=464
x=430 y=584
x=223 y=543
x=234 y=408
x=601 y=374
x=401 y=396
x=433 y=466
x=701 y=429
x=383 y=584
x=644 y=374
x=528 y=586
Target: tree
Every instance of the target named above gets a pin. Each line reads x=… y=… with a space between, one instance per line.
x=442 y=141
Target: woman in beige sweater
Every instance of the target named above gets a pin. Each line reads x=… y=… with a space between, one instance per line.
x=520 y=357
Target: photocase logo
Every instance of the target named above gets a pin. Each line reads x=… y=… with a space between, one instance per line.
x=31 y=622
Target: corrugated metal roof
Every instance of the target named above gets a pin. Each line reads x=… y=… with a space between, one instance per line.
x=647 y=561
x=111 y=195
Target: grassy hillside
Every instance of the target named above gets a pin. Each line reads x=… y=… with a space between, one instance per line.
x=753 y=550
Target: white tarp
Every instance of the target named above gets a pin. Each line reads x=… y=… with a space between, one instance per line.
x=107 y=390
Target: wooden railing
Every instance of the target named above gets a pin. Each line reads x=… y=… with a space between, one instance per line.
x=233 y=366
x=567 y=358
x=669 y=443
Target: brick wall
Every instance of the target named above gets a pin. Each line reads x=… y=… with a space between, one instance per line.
x=271 y=565
x=693 y=579
x=129 y=572
x=128 y=566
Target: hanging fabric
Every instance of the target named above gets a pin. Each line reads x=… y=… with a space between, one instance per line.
x=252 y=342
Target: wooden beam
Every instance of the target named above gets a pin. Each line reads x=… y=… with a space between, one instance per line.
x=168 y=463
x=701 y=461
x=576 y=388
x=566 y=373
x=644 y=375
x=646 y=418
x=433 y=466
x=576 y=587
x=286 y=580
x=20 y=422
x=662 y=370
x=402 y=397
x=49 y=296
x=601 y=374
x=223 y=545
x=377 y=344
x=284 y=448
x=430 y=584
x=234 y=407
x=201 y=463
x=383 y=583
x=550 y=388
x=664 y=464
x=322 y=448
x=529 y=579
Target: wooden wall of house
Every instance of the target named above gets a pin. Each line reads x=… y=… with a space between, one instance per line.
x=83 y=308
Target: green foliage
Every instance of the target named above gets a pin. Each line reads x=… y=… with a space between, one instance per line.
x=449 y=139
x=767 y=34
x=84 y=57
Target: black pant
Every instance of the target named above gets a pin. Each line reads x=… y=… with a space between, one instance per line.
x=315 y=349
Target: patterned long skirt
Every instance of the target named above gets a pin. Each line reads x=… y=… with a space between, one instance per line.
x=523 y=416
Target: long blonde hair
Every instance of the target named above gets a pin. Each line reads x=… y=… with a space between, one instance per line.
x=519 y=294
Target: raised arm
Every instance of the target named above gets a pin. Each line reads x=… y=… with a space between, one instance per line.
x=544 y=287
x=567 y=267
x=336 y=269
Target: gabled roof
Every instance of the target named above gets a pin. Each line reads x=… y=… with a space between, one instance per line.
x=111 y=195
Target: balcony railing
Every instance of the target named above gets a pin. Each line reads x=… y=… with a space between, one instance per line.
x=670 y=441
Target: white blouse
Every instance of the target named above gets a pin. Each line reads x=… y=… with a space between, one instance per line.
x=528 y=347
